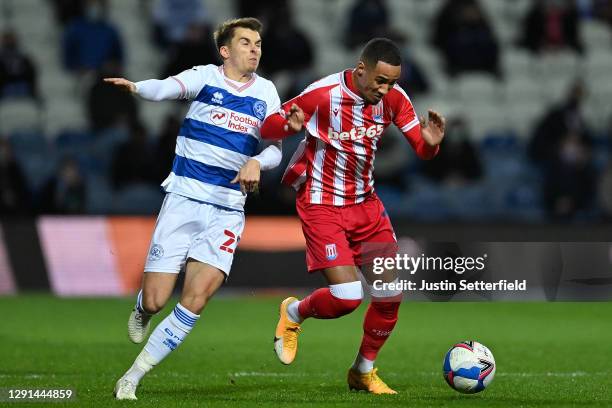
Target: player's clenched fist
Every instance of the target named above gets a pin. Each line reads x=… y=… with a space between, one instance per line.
x=122 y=83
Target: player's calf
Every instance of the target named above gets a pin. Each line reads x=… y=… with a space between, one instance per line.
x=378 y=324
x=331 y=302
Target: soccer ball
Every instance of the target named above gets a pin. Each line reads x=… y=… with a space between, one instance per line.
x=469 y=367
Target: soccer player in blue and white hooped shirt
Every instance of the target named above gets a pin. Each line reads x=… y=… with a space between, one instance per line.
x=202 y=217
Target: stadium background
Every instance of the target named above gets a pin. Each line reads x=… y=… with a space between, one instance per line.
x=526 y=157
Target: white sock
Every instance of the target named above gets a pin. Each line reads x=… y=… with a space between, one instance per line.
x=293 y=312
x=362 y=364
x=142 y=365
x=166 y=337
x=138 y=305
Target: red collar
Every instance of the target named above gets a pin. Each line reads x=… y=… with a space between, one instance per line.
x=348 y=80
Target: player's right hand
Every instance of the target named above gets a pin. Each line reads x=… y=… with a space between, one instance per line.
x=295 y=119
x=122 y=83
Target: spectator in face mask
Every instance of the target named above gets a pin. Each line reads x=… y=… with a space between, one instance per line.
x=17 y=71
x=561 y=148
x=109 y=106
x=366 y=19
x=66 y=192
x=605 y=183
x=551 y=25
x=570 y=180
x=66 y=10
x=465 y=37
x=561 y=119
x=457 y=162
x=197 y=48
x=91 y=41
x=173 y=19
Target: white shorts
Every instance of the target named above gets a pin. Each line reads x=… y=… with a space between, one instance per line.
x=186 y=228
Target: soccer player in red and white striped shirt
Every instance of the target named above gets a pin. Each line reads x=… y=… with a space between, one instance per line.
x=343 y=220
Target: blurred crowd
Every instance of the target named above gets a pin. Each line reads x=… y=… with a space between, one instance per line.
x=115 y=163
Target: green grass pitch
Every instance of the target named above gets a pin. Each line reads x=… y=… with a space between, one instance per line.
x=548 y=355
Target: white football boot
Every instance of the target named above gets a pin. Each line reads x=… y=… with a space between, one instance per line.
x=125 y=389
x=138 y=326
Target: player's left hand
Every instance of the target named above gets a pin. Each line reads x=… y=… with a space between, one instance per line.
x=433 y=128
x=248 y=177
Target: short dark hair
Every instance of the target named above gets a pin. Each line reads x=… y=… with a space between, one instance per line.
x=225 y=32
x=381 y=49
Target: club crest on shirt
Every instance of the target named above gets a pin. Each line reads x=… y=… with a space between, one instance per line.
x=259 y=109
x=377 y=113
x=330 y=252
x=156 y=253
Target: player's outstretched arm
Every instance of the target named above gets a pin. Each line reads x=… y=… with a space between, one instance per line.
x=151 y=89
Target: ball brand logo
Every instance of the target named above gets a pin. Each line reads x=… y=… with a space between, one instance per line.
x=330 y=252
x=356 y=133
x=218 y=116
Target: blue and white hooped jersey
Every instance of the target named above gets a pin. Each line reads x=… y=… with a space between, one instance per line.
x=219 y=134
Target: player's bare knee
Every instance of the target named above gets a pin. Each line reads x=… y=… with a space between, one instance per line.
x=153 y=302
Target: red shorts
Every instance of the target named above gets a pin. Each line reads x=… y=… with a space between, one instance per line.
x=348 y=235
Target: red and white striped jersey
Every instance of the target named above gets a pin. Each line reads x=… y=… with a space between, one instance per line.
x=334 y=163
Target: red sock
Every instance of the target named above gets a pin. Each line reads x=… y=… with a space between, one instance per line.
x=378 y=324
x=321 y=304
